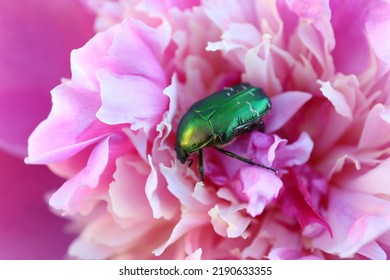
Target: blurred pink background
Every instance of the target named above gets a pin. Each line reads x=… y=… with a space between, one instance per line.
x=36 y=37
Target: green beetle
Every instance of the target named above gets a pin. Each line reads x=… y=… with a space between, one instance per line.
x=218 y=118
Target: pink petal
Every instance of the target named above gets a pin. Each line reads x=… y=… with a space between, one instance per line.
x=83 y=191
x=229 y=221
x=188 y=222
x=130 y=99
x=376 y=130
x=356 y=219
x=236 y=40
x=102 y=238
x=258 y=248
x=351 y=54
x=296 y=153
x=310 y=8
x=318 y=36
x=195 y=255
x=158 y=7
x=129 y=200
x=160 y=200
x=308 y=35
x=182 y=188
x=289 y=254
x=384 y=241
x=182 y=5
x=60 y=137
x=274 y=233
x=301 y=198
x=260 y=187
x=373 y=251
x=335 y=160
x=337 y=99
x=259 y=60
x=363 y=182
x=140 y=141
x=279 y=116
x=335 y=118
x=377 y=24
x=92 y=56
x=135 y=42
x=222 y=13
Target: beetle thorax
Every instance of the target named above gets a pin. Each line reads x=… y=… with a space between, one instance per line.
x=194 y=133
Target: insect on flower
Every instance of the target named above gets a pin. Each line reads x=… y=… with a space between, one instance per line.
x=215 y=120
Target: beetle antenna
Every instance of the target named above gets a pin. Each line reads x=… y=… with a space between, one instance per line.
x=233 y=155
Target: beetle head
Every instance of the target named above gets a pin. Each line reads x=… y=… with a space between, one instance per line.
x=181 y=154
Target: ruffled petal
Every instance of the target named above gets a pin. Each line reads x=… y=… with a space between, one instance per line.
x=260 y=187
x=356 y=220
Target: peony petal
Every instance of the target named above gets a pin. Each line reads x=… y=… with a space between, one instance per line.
x=182 y=188
x=81 y=193
x=151 y=191
x=235 y=42
x=337 y=99
x=296 y=153
x=102 y=238
x=259 y=60
x=289 y=254
x=275 y=232
x=92 y=56
x=150 y=6
x=222 y=13
x=302 y=196
x=363 y=182
x=260 y=187
x=132 y=92
x=130 y=99
x=310 y=8
x=377 y=24
x=373 y=251
x=161 y=201
x=149 y=44
x=376 y=130
x=257 y=249
x=188 y=222
x=127 y=192
x=315 y=44
x=279 y=116
x=335 y=161
x=356 y=219
x=60 y=137
x=195 y=255
x=228 y=222
x=352 y=51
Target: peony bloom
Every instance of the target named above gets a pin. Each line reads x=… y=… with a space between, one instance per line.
x=112 y=129
x=33 y=58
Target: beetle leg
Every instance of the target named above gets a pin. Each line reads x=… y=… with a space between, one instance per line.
x=201 y=169
x=191 y=161
x=261 y=126
x=230 y=154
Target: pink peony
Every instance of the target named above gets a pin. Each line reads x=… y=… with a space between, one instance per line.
x=36 y=38
x=111 y=132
